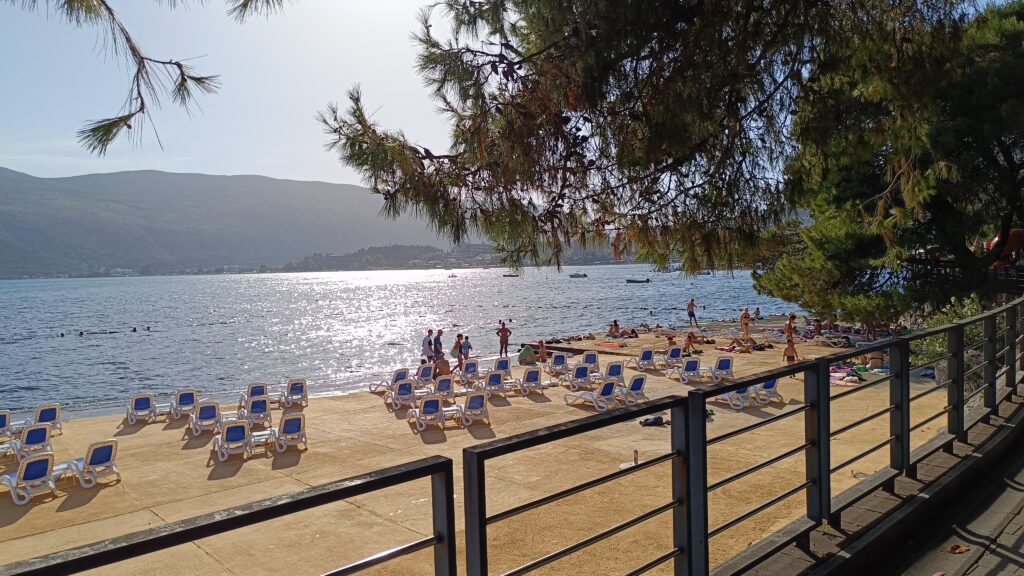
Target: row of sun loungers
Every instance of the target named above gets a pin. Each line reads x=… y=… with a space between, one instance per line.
x=37 y=471
x=44 y=414
x=29 y=440
x=757 y=394
x=38 y=474
x=234 y=433
x=427 y=396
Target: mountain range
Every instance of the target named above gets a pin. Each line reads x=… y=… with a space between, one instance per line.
x=163 y=222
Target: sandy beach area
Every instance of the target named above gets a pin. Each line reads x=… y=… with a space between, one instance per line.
x=168 y=475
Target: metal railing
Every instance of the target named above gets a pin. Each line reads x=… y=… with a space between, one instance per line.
x=987 y=349
x=474 y=459
x=437 y=468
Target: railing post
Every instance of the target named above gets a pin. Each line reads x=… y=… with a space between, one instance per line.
x=696 y=485
x=988 y=330
x=899 y=396
x=817 y=429
x=955 y=388
x=476 y=513
x=1010 y=343
x=442 y=488
x=680 y=532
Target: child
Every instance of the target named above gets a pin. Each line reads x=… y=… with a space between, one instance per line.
x=789 y=354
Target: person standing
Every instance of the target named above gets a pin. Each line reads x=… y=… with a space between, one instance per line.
x=503 y=334
x=745 y=323
x=790 y=355
x=466 y=348
x=457 y=350
x=787 y=328
x=691 y=312
x=438 y=345
x=427 y=349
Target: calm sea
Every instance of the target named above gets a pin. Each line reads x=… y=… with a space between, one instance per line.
x=339 y=329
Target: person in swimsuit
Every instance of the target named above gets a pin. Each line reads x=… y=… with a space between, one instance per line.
x=466 y=348
x=790 y=354
x=503 y=334
x=441 y=365
x=787 y=328
x=745 y=322
x=691 y=312
x=457 y=350
x=690 y=344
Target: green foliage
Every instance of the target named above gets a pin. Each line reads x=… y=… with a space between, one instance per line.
x=906 y=164
x=934 y=347
x=658 y=126
x=151 y=78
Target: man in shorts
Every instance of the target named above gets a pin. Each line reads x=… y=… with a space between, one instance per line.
x=691 y=312
x=427 y=349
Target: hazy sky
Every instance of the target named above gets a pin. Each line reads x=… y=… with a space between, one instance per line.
x=276 y=73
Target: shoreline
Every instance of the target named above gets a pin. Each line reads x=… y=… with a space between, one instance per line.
x=169 y=475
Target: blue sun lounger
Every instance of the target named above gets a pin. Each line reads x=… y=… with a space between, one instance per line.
x=33 y=476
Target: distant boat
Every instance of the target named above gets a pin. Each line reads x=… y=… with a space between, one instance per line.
x=453 y=275
x=578 y=275
x=511 y=275
x=705 y=273
x=635 y=281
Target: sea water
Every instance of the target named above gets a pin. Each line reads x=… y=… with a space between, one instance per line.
x=340 y=330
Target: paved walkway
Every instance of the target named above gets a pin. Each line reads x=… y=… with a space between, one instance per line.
x=987 y=534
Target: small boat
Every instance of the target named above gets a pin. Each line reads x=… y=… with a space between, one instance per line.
x=453 y=275
x=511 y=275
x=704 y=273
x=635 y=281
x=578 y=275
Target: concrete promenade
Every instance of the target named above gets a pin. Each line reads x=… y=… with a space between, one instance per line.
x=169 y=475
x=986 y=535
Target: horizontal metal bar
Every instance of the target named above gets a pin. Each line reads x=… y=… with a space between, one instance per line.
x=862 y=350
x=759 y=509
x=856 y=389
x=975 y=345
x=975 y=369
x=930 y=332
x=862 y=455
x=572 y=548
x=656 y=562
x=931 y=418
x=720 y=388
x=517 y=442
x=756 y=425
x=939 y=441
x=863 y=420
x=576 y=489
x=930 y=362
x=972 y=395
x=994 y=312
x=931 y=390
x=759 y=466
x=1003 y=351
x=384 y=557
x=184 y=531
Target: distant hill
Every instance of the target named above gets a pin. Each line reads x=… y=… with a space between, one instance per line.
x=164 y=222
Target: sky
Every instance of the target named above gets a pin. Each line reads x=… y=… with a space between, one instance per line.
x=276 y=73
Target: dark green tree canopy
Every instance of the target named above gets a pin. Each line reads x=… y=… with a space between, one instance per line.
x=903 y=167
x=658 y=125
